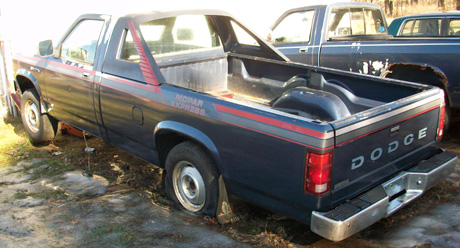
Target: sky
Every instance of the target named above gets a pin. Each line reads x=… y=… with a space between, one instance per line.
x=26 y=22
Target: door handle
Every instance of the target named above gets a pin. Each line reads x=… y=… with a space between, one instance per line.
x=35 y=69
x=303 y=50
x=85 y=74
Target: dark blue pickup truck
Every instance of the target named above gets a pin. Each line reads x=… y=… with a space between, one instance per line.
x=353 y=37
x=223 y=112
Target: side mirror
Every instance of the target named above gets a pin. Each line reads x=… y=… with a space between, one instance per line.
x=45 y=48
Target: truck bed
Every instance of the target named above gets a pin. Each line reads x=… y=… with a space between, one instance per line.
x=307 y=95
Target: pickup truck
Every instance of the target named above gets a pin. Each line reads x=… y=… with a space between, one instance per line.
x=226 y=114
x=353 y=36
x=436 y=24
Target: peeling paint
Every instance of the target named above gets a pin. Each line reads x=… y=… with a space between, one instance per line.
x=377 y=66
x=365 y=68
x=373 y=67
x=357 y=45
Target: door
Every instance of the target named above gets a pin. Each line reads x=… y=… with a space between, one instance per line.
x=70 y=76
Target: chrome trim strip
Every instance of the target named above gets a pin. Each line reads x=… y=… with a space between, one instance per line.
x=363 y=123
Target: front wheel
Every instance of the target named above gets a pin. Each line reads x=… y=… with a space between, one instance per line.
x=192 y=179
x=40 y=127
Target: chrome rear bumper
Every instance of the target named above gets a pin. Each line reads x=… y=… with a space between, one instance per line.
x=383 y=200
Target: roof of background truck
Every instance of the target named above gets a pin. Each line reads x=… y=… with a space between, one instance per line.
x=452 y=13
x=329 y=5
x=395 y=25
x=338 y=4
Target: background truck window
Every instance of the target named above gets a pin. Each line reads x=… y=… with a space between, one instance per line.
x=355 y=21
x=294 y=28
x=454 y=27
x=422 y=27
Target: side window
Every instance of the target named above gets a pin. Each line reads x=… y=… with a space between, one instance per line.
x=81 y=43
x=295 y=27
x=422 y=27
x=407 y=29
x=173 y=35
x=429 y=27
x=129 y=51
x=243 y=37
x=454 y=27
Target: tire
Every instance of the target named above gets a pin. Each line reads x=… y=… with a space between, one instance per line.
x=191 y=180
x=40 y=127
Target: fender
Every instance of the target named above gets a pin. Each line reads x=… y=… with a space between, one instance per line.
x=191 y=133
x=44 y=107
x=28 y=75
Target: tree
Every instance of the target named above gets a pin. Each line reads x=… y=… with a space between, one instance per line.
x=441 y=4
x=389 y=7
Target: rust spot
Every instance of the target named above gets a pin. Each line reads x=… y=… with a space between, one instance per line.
x=416 y=73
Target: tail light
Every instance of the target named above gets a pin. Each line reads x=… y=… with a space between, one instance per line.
x=318 y=170
x=442 y=115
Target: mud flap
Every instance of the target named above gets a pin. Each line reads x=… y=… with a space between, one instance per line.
x=225 y=212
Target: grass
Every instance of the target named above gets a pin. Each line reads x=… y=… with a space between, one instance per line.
x=122 y=235
x=14 y=142
x=48 y=195
x=15 y=146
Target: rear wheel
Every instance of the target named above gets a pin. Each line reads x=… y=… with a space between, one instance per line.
x=192 y=179
x=40 y=127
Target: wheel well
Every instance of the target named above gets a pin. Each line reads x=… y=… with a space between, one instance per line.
x=167 y=140
x=23 y=83
x=419 y=74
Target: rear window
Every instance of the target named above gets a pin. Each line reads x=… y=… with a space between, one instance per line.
x=355 y=21
x=173 y=35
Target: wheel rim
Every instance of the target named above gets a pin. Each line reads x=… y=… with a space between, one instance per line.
x=32 y=116
x=189 y=186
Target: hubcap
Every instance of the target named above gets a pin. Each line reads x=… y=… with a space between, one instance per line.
x=189 y=186
x=32 y=114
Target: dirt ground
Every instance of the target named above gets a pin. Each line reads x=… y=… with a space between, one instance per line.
x=45 y=201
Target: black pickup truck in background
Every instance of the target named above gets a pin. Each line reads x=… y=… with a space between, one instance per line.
x=223 y=112
x=352 y=36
